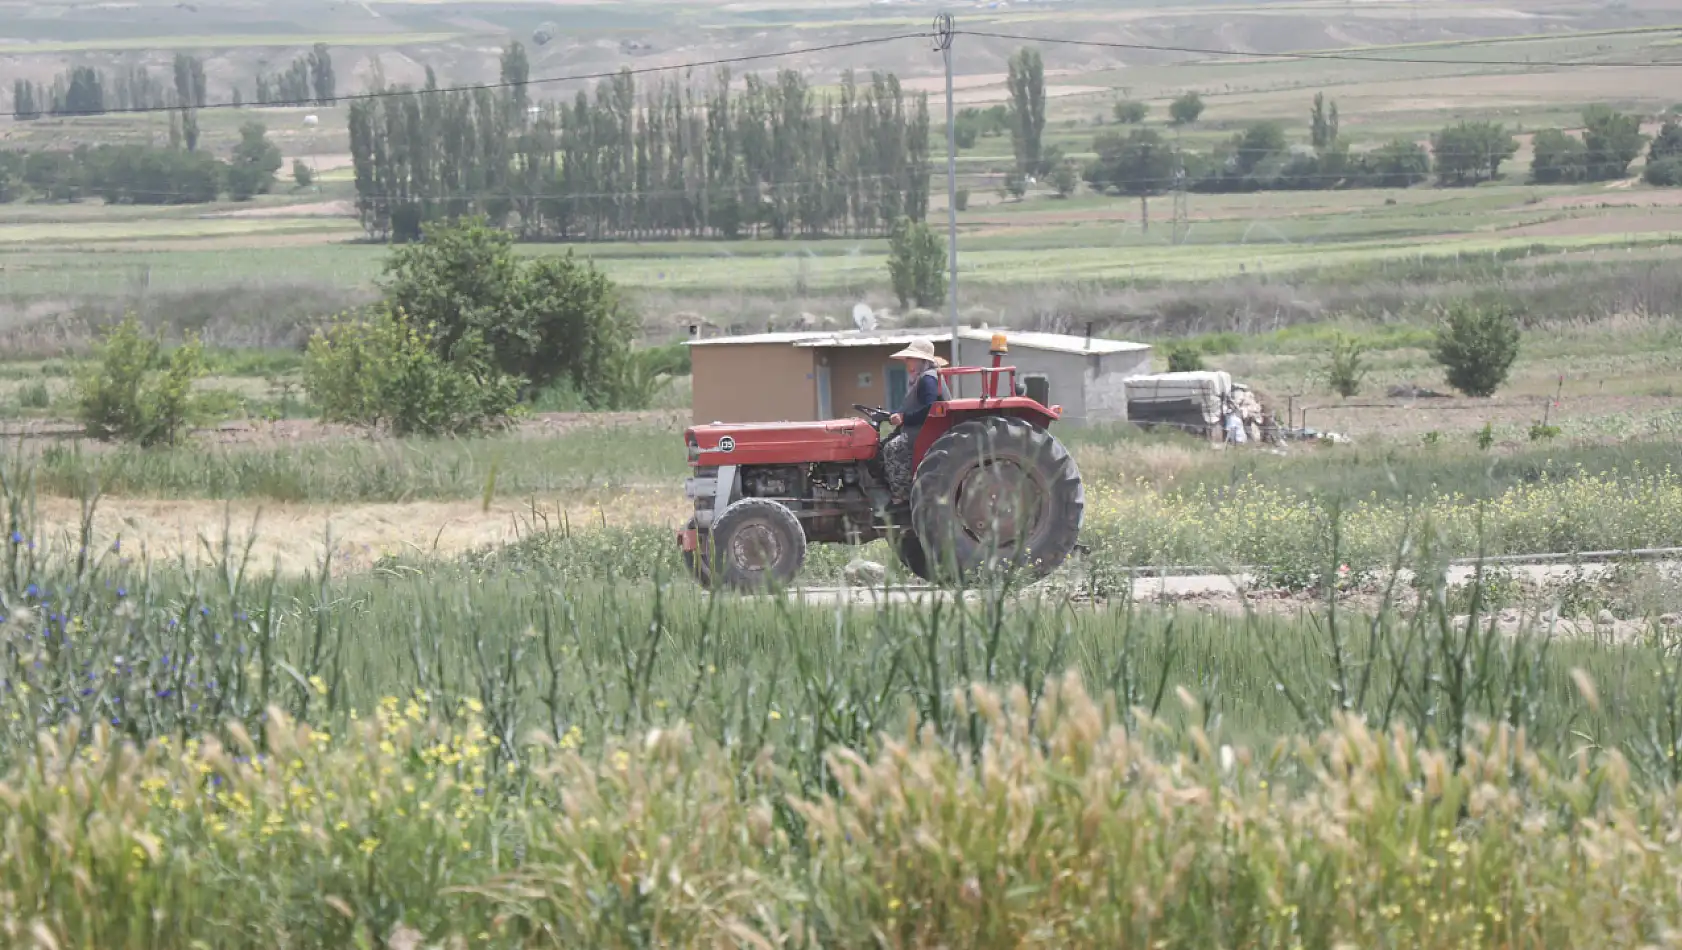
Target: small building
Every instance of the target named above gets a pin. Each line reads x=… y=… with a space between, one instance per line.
x=813 y=375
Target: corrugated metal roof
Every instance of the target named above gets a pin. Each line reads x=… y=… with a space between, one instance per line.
x=878 y=339
x=1056 y=342
x=788 y=337
x=809 y=339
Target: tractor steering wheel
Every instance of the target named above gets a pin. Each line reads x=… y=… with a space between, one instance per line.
x=875 y=415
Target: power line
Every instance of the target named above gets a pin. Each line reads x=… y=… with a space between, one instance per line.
x=1348 y=57
x=577 y=77
x=480 y=195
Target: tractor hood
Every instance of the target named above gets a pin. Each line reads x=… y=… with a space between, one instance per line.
x=781 y=443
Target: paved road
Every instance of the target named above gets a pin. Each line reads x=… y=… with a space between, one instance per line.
x=1192 y=585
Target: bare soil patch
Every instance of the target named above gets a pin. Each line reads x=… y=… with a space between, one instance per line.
x=1617 y=198
x=293 y=538
x=1363 y=418
x=317 y=209
x=1668 y=220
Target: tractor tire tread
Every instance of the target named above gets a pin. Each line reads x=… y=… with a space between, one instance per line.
x=938 y=475
x=722 y=572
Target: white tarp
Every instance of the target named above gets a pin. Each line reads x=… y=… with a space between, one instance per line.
x=1209 y=390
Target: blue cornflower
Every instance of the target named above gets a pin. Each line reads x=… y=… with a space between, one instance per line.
x=32 y=591
x=17 y=537
x=122 y=592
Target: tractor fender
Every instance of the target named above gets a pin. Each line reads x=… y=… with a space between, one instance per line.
x=949 y=417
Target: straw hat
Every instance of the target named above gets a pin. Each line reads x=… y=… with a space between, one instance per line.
x=920 y=349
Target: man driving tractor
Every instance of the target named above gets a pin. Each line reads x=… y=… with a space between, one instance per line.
x=923 y=389
x=992 y=488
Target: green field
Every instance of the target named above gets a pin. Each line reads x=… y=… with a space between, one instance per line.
x=283 y=681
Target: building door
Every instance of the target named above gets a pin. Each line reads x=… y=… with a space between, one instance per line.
x=896 y=383
x=825 y=409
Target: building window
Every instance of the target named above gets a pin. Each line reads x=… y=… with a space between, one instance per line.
x=896 y=383
x=1038 y=389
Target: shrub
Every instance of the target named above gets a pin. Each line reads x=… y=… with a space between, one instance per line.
x=1665 y=173
x=1476 y=346
x=1186 y=109
x=1064 y=179
x=254 y=164
x=542 y=319
x=962 y=199
x=1184 y=358
x=386 y=371
x=1130 y=112
x=34 y=396
x=301 y=173
x=133 y=392
x=917 y=264
x=1346 y=370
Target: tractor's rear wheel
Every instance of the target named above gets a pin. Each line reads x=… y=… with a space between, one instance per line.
x=997 y=493
x=755 y=544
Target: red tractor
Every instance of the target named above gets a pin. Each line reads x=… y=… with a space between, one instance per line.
x=993 y=488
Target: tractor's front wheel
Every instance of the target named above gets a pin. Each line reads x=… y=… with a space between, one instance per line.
x=997 y=492
x=755 y=545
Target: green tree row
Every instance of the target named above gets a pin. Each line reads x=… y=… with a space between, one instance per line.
x=664 y=160
x=1610 y=142
x=1261 y=157
x=141 y=174
x=309 y=79
x=84 y=90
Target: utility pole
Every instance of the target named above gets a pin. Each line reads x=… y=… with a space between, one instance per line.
x=1182 y=223
x=1182 y=215
x=943 y=41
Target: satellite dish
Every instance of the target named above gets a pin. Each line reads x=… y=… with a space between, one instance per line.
x=311 y=120
x=864 y=318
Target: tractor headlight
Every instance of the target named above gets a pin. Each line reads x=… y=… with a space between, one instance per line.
x=694 y=448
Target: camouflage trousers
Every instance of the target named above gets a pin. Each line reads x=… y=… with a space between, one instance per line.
x=896 y=460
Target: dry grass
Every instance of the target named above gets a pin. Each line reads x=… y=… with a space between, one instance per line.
x=293 y=538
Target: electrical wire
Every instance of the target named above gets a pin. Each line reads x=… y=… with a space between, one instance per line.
x=1345 y=57
x=879 y=40
x=489 y=193
x=576 y=77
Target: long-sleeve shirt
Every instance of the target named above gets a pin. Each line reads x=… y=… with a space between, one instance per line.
x=918 y=398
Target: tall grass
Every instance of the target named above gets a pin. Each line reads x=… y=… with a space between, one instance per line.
x=520 y=752
x=582 y=637
x=1058 y=824
x=375 y=470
